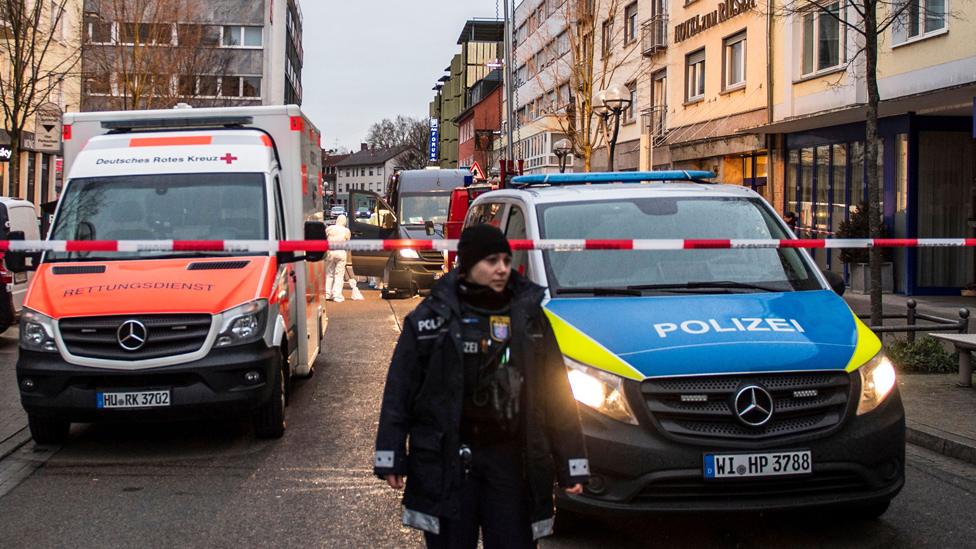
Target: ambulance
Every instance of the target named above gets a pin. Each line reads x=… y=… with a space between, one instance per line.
x=707 y=379
x=176 y=333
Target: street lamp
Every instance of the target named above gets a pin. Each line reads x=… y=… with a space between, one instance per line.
x=615 y=100
x=561 y=149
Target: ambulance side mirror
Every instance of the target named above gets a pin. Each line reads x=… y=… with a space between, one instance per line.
x=836 y=282
x=16 y=262
x=315 y=230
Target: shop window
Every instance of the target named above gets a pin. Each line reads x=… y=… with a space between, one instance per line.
x=822 y=38
x=695 y=75
x=918 y=19
x=734 y=62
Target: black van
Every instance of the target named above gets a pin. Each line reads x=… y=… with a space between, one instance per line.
x=421 y=199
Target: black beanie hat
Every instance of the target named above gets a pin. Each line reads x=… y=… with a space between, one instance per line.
x=477 y=243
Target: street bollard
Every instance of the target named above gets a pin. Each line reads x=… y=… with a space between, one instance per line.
x=965 y=355
x=910 y=319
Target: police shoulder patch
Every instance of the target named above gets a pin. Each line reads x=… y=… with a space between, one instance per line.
x=500 y=327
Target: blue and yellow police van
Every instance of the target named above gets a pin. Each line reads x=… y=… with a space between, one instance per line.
x=707 y=379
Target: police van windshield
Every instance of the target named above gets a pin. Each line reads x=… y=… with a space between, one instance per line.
x=208 y=206
x=417 y=209
x=699 y=271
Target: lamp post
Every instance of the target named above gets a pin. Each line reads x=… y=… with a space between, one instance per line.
x=615 y=101
x=561 y=149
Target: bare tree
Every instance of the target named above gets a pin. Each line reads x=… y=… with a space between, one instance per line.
x=36 y=64
x=145 y=54
x=403 y=131
x=596 y=58
x=866 y=21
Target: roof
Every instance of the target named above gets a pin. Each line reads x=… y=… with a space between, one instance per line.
x=333 y=159
x=371 y=157
x=582 y=193
x=482 y=30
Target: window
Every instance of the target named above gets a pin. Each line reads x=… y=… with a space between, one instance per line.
x=251 y=86
x=98 y=84
x=734 y=62
x=695 y=75
x=919 y=18
x=57 y=19
x=822 y=38
x=99 y=32
x=242 y=37
x=207 y=86
x=515 y=230
x=630 y=113
x=607 y=38
x=194 y=35
x=630 y=23
x=371 y=172
x=230 y=86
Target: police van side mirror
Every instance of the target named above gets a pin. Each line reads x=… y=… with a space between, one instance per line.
x=836 y=282
x=16 y=262
x=315 y=230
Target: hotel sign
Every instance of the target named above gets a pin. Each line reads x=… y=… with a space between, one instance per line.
x=701 y=23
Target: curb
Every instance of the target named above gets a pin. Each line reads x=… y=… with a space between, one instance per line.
x=942 y=442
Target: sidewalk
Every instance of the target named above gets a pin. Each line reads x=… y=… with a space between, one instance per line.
x=944 y=306
x=939 y=415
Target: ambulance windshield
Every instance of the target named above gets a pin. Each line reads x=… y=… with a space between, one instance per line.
x=699 y=271
x=208 y=206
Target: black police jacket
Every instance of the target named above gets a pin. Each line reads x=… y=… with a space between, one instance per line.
x=424 y=396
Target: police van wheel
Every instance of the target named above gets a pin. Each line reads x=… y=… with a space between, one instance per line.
x=870 y=512
x=269 y=420
x=45 y=430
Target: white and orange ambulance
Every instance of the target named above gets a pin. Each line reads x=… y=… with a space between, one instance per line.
x=143 y=335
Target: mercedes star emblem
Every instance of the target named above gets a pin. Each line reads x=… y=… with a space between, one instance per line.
x=132 y=335
x=754 y=405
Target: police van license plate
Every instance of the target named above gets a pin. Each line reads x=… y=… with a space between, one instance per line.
x=134 y=399
x=758 y=465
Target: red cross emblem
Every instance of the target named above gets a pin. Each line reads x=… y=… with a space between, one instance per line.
x=228 y=158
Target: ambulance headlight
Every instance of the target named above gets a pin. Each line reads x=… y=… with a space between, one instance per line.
x=37 y=332
x=602 y=391
x=244 y=324
x=409 y=253
x=877 y=380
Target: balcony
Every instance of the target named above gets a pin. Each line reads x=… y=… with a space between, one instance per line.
x=654 y=36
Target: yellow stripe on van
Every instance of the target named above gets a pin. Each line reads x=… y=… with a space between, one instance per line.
x=867 y=346
x=585 y=350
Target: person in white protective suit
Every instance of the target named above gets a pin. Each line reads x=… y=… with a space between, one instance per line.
x=335 y=270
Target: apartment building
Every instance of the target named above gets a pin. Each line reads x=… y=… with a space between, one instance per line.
x=330 y=174
x=480 y=123
x=40 y=175
x=154 y=54
x=367 y=170
x=480 y=53
x=927 y=82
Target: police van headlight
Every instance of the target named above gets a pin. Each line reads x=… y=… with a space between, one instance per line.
x=409 y=253
x=877 y=380
x=37 y=332
x=244 y=324
x=602 y=391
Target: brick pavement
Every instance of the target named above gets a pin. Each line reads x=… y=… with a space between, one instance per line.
x=940 y=416
x=12 y=416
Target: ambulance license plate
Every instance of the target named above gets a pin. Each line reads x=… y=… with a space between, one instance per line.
x=772 y=464
x=134 y=399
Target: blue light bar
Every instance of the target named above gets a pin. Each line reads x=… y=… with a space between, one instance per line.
x=696 y=176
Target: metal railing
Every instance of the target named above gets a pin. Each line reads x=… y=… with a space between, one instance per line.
x=911 y=326
x=655 y=121
x=654 y=35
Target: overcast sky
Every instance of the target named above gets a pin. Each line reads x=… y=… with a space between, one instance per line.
x=366 y=60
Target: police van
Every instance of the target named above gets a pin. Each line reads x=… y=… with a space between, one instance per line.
x=176 y=332
x=708 y=379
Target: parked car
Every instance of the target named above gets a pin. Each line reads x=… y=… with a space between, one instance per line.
x=17 y=218
x=336 y=211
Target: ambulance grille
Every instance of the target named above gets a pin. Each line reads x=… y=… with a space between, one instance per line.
x=168 y=335
x=702 y=408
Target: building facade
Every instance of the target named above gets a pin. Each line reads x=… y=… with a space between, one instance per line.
x=481 y=49
x=480 y=123
x=330 y=175
x=140 y=54
x=927 y=82
x=367 y=170
x=41 y=175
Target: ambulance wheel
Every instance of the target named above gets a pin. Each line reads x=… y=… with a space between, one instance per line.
x=269 y=420
x=45 y=430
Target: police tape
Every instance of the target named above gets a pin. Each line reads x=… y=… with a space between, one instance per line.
x=556 y=245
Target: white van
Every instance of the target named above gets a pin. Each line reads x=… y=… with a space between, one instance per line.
x=16 y=216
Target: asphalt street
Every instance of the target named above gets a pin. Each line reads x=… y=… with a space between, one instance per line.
x=213 y=485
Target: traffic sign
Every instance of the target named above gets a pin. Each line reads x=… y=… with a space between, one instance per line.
x=47 y=128
x=479 y=174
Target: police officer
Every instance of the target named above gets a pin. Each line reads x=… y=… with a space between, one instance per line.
x=477 y=390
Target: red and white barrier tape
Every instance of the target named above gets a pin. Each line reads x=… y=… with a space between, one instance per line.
x=266 y=246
